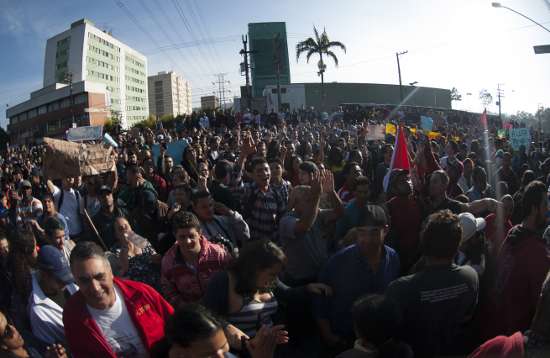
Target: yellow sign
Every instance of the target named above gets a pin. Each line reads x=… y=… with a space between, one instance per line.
x=391 y=129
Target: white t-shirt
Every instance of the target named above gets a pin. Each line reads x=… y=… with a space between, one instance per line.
x=118 y=329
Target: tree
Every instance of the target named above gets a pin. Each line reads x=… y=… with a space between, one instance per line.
x=455 y=95
x=321 y=45
x=485 y=97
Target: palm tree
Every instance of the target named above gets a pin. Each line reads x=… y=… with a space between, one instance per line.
x=321 y=45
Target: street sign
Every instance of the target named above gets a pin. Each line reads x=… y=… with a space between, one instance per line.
x=541 y=49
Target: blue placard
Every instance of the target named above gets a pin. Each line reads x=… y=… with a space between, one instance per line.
x=173 y=149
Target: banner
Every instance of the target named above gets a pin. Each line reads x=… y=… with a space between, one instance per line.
x=391 y=129
x=173 y=149
x=64 y=159
x=426 y=123
x=519 y=137
x=80 y=134
x=376 y=132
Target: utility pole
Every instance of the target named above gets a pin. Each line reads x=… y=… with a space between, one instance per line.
x=277 y=63
x=245 y=67
x=500 y=95
x=397 y=54
x=221 y=82
x=69 y=79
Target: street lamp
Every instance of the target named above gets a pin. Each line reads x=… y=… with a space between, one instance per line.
x=499 y=5
x=538 y=49
x=397 y=54
x=413 y=83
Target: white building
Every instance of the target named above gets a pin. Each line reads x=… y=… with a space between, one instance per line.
x=169 y=94
x=87 y=53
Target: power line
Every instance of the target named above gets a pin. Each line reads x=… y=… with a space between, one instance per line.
x=203 y=30
x=192 y=59
x=221 y=82
x=207 y=59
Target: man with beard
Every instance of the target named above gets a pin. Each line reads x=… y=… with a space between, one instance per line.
x=405 y=229
x=521 y=267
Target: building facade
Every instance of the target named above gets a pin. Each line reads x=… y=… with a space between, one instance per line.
x=52 y=110
x=307 y=95
x=86 y=53
x=269 y=55
x=209 y=102
x=169 y=94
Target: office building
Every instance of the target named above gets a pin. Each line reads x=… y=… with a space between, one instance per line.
x=269 y=55
x=87 y=53
x=52 y=110
x=209 y=102
x=169 y=94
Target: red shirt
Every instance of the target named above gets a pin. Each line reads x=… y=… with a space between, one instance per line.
x=501 y=347
x=496 y=232
x=146 y=307
x=406 y=222
x=521 y=267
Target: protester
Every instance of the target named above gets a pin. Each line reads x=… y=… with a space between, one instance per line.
x=227 y=228
x=440 y=298
x=52 y=284
x=521 y=268
x=104 y=220
x=136 y=259
x=109 y=316
x=191 y=262
x=376 y=321
x=370 y=263
x=70 y=204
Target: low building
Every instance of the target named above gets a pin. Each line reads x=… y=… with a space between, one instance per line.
x=169 y=94
x=209 y=102
x=306 y=95
x=52 y=110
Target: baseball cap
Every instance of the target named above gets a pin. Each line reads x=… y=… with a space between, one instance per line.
x=105 y=188
x=373 y=215
x=26 y=184
x=51 y=259
x=470 y=225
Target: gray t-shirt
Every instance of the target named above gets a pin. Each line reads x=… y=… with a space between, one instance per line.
x=307 y=253
x=118 y=329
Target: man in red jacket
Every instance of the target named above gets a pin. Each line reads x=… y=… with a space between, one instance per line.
x=110 y=317
x=521 y=268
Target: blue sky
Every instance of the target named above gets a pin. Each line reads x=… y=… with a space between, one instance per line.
x=466 y=44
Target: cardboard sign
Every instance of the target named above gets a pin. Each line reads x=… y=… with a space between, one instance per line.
x=519 y=137
x=426 y=123
x=84 y=133
x=376 y=132
x=174 y=149
x=64 y=159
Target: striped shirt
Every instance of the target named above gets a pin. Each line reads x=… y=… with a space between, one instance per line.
x=262 y=211
x=253 y=315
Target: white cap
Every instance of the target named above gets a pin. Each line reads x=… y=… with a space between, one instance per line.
x=470 y=225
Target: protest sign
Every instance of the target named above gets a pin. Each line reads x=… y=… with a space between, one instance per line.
x=433 y=135
x=376 y=132
x=501 y=133
x=426 y=123
x=519 y=137
x=64 y=159
x=174 y=149
x=80 y=134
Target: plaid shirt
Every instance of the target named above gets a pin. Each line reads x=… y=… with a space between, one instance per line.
x=262 y=211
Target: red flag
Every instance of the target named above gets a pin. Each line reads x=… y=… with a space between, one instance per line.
x=484 y=119
x=400 y=156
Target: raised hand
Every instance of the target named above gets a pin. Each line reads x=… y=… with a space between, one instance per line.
x=316 y=184
x=328 y=181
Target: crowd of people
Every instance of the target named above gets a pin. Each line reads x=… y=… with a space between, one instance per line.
x=281 y=236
